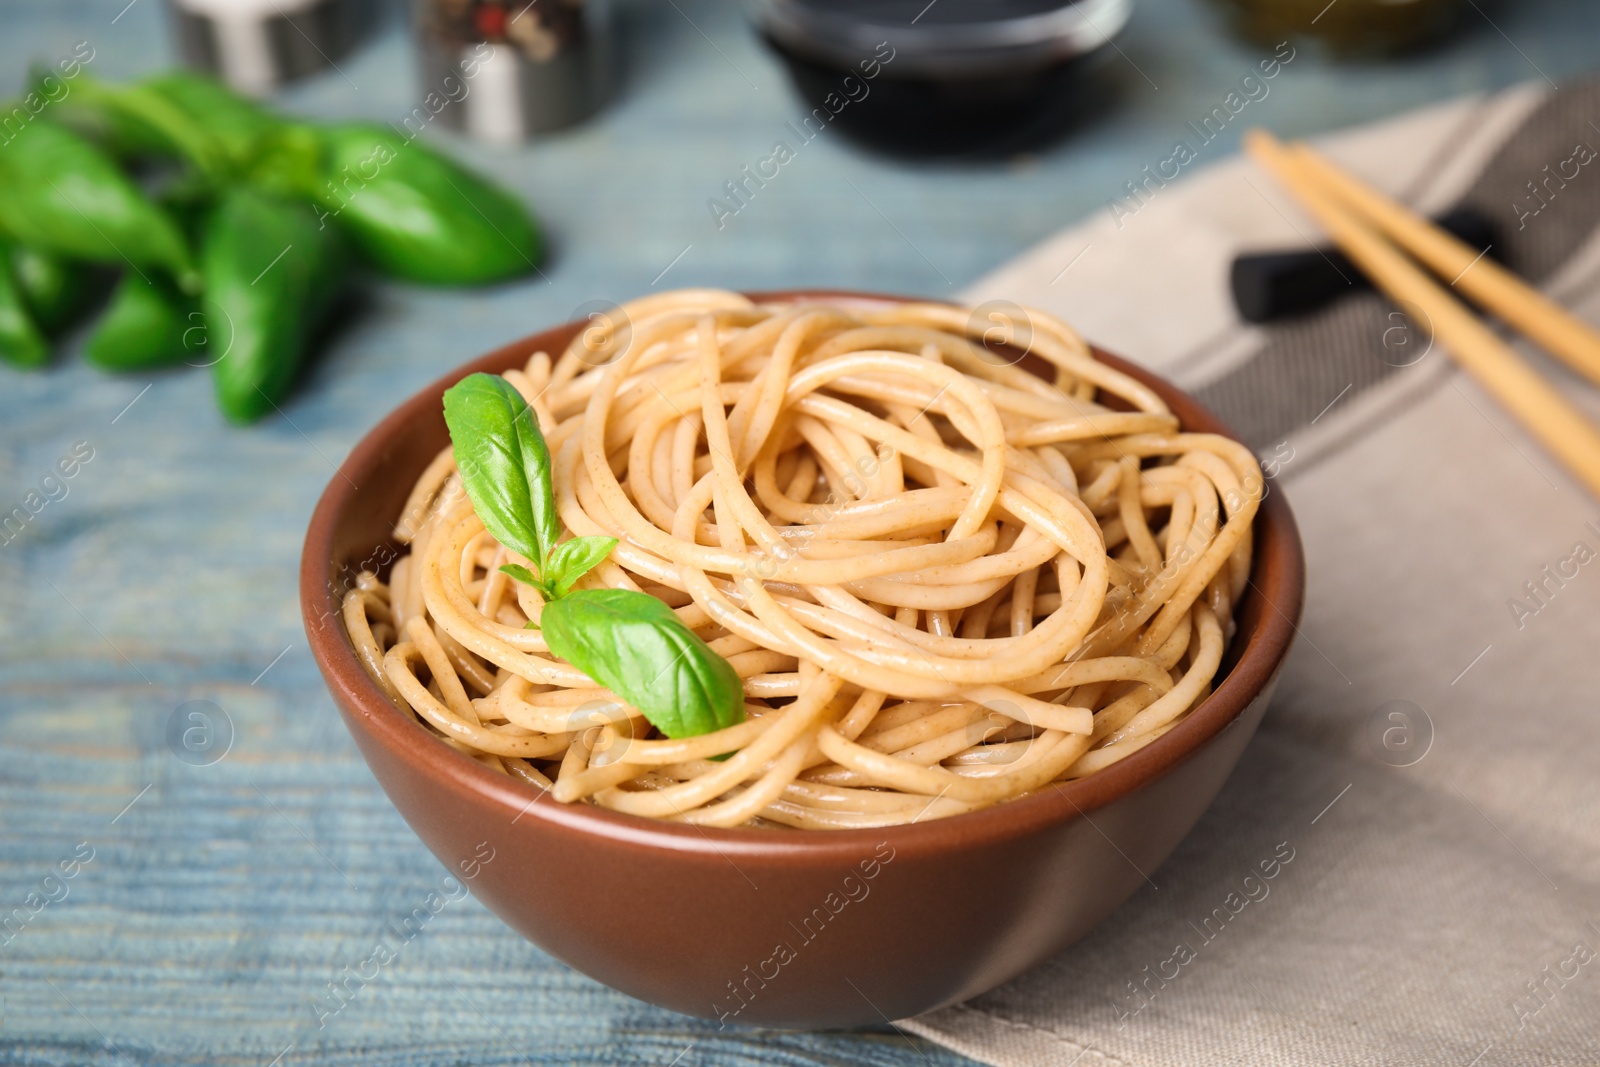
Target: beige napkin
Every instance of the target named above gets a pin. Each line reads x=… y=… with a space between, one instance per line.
x=1425 y=789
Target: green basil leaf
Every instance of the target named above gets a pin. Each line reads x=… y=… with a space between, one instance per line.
x=504 y=463
x=522 y=574
x=636 y=647
x=573 y=559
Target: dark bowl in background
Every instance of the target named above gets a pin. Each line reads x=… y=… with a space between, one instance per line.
x=961 y=119
x=963 y=80
x=791 y=928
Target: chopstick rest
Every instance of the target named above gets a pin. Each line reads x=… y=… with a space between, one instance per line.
x=1274 y=285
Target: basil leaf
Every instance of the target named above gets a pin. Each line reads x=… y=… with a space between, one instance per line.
x=636 y=647
x=573 y=559
x=504 y=463
x=522 y=574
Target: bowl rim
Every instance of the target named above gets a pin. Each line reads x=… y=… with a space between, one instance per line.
x=367 y=708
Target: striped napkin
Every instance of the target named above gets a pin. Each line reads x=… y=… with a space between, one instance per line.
x=1405 y=868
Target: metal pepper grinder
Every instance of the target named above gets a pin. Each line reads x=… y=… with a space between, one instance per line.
x=504 y=70
x=257 y=45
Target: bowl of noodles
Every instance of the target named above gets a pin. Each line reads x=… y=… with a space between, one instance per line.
x=1001 y=610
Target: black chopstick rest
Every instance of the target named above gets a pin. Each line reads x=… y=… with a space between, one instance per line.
x=1273 y=285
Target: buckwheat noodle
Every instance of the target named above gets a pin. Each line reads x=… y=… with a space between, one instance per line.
x=945 y=581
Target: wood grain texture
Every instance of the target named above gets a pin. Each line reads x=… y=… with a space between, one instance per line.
x=218 y=907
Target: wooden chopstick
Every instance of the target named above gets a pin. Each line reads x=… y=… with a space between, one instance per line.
x=1486 y=282
x=1548 y=416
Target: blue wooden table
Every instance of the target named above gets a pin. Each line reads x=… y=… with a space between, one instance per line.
x=194 y=911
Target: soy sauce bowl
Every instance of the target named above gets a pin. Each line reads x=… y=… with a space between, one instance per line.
x=779 y=927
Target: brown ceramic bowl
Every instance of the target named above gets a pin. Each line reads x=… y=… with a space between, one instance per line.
x=795 y=928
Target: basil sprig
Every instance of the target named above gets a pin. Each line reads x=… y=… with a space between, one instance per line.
x=647 y=657
x=504 y=464
x=631 y=643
